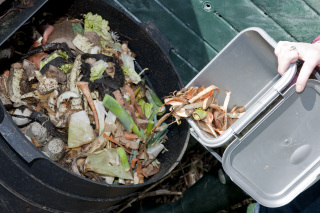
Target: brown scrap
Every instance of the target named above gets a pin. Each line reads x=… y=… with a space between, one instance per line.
x=233 y=109
x=74 y=152
x=133 y=100
x=36 y=58
x=143 y=123
x=84 y=87
x=55 y=73
x=134 y=145
x=202 y=125
x=6 y=73
x=80 y=161
x=173 y=99
x=141 y=178
x=203 y=92
x=207 y=95
x=30 y=69
x=38 y=108
x=207 y=102
x=130 y=136
x=139 y=170
x=110 y=128
x=93 y=38
x=116 y=142
x=111 y=70
x=190 y=94
x=218 y=118
x=130 y=109
x=209 y=118
x=35 y=142
x=151 y=170
x=215 y=106
x=240 y=109
x=128 y=144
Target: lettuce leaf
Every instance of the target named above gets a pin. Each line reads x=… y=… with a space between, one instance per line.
x=97 y=70
x=95 y=23
x=82 y=43
x=106 y=162
x=54 y=55
x=128 y=68
x=80 y=131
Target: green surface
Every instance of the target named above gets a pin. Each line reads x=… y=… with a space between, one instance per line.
x=198 y=30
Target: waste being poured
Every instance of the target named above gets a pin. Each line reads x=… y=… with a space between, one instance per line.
x=200 y=103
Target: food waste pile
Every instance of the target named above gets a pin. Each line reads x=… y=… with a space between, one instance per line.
x=78 y=96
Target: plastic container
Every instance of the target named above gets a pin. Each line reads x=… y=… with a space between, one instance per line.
x=272 y=150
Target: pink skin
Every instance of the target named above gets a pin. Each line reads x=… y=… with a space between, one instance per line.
x=48 y=29
x=37 y=58
x=309 y=53
x=36 y=44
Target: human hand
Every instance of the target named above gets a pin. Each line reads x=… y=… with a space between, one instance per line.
x=289 y=52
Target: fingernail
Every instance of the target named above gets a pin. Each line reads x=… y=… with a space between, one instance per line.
x=298 y=88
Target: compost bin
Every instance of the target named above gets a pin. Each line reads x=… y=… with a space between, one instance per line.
x=32 y=182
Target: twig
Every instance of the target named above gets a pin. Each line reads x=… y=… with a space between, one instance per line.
x=161 y=192
x=184 y=175
x=116 y=142
x=150 y=188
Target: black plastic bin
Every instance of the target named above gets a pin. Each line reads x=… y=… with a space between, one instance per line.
x=29 y=181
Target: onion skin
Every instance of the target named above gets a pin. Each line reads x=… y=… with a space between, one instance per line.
x=36 y=58
x=48 y=29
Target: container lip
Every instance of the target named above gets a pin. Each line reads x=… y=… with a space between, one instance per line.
x=306 y=177
x=242 y=122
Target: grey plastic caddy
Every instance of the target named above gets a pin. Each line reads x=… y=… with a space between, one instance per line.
x=273 y=150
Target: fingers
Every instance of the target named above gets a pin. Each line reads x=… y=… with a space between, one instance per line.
x=286 y=55
x=280 y=46
x=304 y=74
x=285 y=60
x=290 y=52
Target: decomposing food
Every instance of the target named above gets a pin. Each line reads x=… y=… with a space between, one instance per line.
x=77 y=97
x=200 y=103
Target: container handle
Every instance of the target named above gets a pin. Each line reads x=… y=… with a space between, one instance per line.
x=16 y=139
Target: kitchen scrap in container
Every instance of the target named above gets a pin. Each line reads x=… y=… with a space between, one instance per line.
x=200 y=103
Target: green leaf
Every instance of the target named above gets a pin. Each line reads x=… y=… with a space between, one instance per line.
x=123 y=116
x=77 y=28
